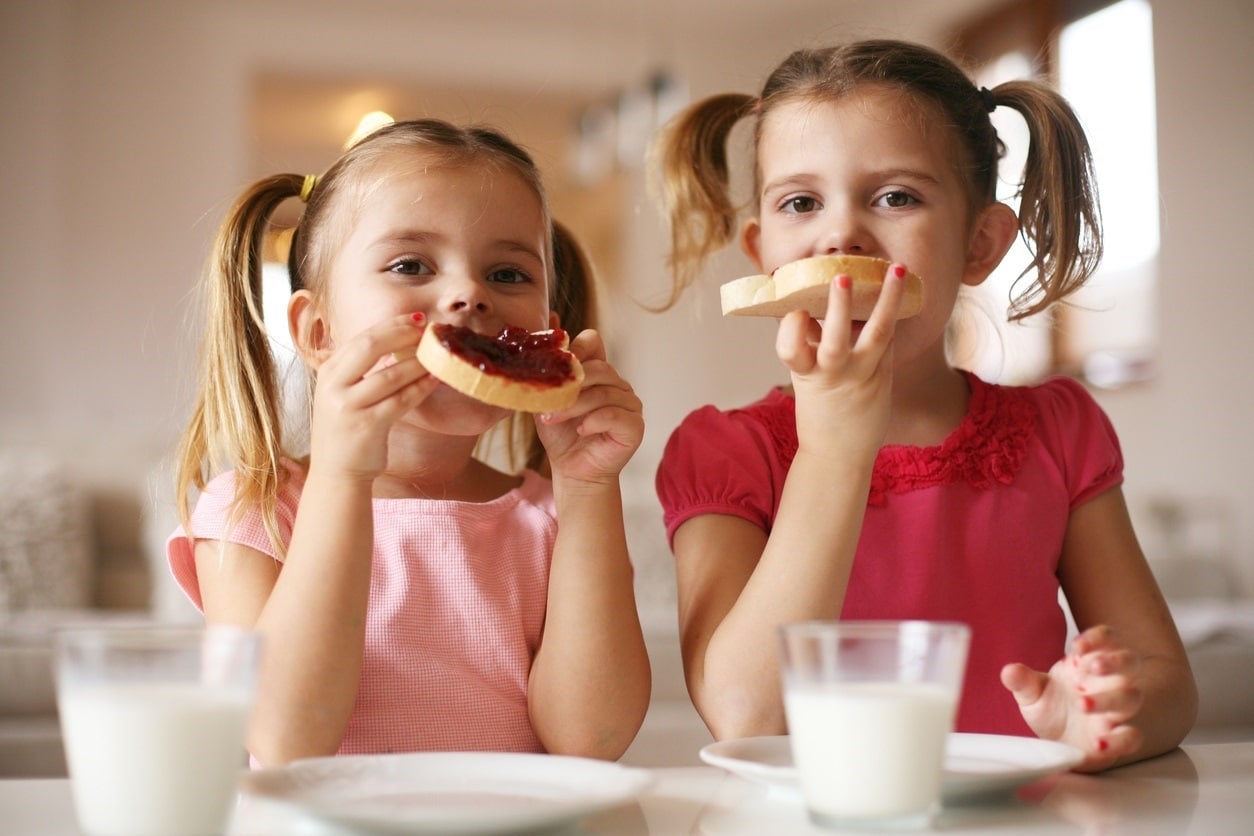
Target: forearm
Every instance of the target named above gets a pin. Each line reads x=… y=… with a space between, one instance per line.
x=314 y=626
x=802 y=574
x=590 y=681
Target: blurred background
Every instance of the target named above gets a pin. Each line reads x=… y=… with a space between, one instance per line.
x=130 y=125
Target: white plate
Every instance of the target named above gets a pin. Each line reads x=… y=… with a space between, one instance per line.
x=976 y=765
x=448 y=792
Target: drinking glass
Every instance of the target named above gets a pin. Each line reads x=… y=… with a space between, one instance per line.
x=870 y=705
x=153 y=722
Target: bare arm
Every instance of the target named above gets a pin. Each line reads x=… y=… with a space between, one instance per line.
x=736 y=584
x=590 y=680
x=312 y=613
x=1126 y=691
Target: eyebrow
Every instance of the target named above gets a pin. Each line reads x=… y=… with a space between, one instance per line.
x=402 y=235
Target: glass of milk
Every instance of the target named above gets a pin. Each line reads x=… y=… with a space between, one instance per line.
x=153 y=722
x=870 y=705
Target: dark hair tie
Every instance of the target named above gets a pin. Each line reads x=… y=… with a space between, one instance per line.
x=990 y=104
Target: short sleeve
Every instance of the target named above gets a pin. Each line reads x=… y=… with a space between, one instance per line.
x=211 y=520
x=719 y=463
x=1081 y=438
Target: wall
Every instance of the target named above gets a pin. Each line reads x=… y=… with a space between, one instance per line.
x=126 y=135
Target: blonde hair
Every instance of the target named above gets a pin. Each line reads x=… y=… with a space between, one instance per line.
x=1059 y=214
x=237 y=419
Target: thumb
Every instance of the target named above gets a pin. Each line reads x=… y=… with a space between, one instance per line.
x=1026 y=684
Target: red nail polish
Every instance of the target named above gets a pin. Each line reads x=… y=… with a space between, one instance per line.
x=899 y=271
x=1102 y=745
x=418 y=317
x=1089 y=704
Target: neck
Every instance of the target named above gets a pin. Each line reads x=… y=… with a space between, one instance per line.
x=929 y=402
x=423 y=466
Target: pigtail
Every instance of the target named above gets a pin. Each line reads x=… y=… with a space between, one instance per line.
x=691 y=156
x=236 y=421
x=1059 y=212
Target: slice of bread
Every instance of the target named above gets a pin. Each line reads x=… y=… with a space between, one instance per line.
x=803 y=285
x=519 y=370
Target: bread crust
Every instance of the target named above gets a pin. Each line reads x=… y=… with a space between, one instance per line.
x=497 y=389
x=803 y=285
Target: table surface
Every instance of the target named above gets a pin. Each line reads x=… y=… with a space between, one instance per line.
x=1201 y=789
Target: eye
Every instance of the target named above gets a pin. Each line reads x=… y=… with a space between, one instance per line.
x=799 y=205
x=508 y=275
x=895 y=200
x=409 y=267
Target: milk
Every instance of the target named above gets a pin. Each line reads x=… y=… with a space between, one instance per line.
x=155 y=759
x=869 y=750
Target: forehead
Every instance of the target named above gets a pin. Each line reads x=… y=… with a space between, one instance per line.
x=869 y=125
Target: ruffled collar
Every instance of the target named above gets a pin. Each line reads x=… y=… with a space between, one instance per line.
x=986 y=449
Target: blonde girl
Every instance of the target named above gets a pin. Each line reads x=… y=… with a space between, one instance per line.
x=411 y=596
x=883 y=482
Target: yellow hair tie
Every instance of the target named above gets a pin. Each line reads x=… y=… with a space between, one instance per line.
x=307 y=187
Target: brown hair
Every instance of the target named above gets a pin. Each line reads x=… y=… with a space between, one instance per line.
x=237 y=419
x=1059 y=215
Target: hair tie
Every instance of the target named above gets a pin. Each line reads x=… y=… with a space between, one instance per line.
x=307 y=187
x=990 y=104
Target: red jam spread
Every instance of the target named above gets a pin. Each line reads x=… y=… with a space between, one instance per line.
x=515 y=353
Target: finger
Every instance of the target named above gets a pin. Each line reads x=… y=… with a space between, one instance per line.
x=794 y=343
x=588 y=346
x=1095 y=638
x=1025 y=684
x=834 y=340
x=366 y=351
x=882 y=323
x=1117 y=704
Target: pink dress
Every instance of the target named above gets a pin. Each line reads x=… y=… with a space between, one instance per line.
x=970 y=530
x=457 y=602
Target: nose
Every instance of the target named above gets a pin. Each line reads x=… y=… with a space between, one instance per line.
x=843 y=234
x=467 y=296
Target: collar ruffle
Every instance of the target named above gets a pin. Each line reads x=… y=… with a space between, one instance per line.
x=986 y=449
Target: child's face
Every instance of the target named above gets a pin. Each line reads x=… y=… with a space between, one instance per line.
x=865 y=175
x=460 y=244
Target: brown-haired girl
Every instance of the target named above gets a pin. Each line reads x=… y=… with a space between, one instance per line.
x=411 y=596
x=884 y=482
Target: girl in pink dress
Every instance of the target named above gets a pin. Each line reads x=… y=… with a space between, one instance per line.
x=883 y=482
x=411 y=596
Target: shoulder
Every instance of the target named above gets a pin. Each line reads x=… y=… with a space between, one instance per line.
x=768 y=421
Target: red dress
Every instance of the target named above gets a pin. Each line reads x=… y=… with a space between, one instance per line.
x=970 y=530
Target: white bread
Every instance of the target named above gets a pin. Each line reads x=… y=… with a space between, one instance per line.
x=803 y=285
x=502 y=386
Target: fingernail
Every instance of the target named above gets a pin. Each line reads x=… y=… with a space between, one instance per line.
x=1089 y=704
x=899 y=271
x=419 y=317
x=1102 y=744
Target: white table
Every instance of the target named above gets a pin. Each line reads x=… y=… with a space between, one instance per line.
x=1200 y=789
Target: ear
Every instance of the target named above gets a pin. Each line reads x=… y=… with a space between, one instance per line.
x=555 y=321
x=311 y=332
x=751 y=241
x=992 y=234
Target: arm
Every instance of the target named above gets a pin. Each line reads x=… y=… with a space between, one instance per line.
x=1126 y=691
x=736 y=584
x=590 y=680
x=312 y=610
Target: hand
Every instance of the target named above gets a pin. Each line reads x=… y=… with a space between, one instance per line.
x=842 y=375
x=1087 y=699
x=362 y=389
x=593 y=439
